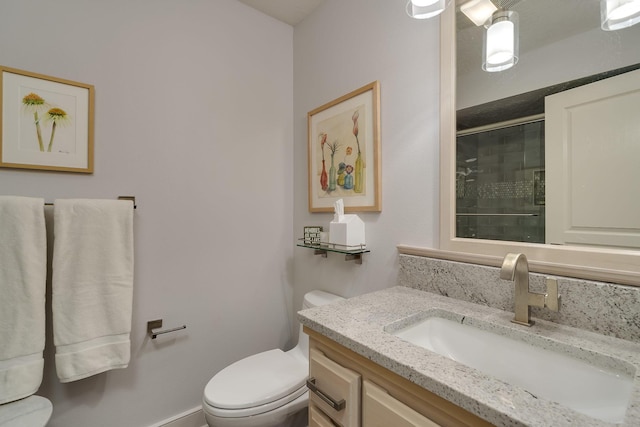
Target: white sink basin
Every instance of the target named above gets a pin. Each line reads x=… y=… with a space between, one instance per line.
x=588 y=388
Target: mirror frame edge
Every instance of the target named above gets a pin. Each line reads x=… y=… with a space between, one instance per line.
x=601 y=264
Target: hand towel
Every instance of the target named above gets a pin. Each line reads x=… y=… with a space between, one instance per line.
x=92 y=286
x=23 y=278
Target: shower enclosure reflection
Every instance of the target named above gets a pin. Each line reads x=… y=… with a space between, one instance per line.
x=500 y=183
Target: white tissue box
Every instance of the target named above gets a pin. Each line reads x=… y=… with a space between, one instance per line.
x=348 y=230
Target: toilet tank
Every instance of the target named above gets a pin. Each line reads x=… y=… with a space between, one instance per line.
x=311 y=299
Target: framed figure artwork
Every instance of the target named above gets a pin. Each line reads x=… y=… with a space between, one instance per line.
x=344 y=152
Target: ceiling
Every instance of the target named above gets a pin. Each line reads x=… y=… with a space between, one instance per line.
x=288 y=11
x=537 y=25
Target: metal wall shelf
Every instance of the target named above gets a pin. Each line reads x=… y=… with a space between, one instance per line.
x=351 y=253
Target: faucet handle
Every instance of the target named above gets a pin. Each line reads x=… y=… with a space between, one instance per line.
x=551 y=298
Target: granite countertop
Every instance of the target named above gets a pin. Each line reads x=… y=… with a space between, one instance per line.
x=360 y=324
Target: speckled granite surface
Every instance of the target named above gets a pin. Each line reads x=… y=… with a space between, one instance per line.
x=359 y=324
x=604 y=308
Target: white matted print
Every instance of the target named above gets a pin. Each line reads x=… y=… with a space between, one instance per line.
x=47 y=123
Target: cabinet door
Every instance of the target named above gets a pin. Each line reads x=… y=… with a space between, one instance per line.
x=379 y=409
x=334 y=384
x=317 y=418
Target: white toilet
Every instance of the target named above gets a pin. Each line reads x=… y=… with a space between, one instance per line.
x=32 y=411
x=267 y=389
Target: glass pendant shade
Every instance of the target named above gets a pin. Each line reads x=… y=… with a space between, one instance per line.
x=500 y=50
x=617 y=14
x=423 y=9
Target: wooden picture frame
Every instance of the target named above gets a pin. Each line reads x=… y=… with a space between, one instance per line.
x=344 y=152
x=46 y=122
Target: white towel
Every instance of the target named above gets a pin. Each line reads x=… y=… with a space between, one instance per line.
x=23 y=278
x=92 y=286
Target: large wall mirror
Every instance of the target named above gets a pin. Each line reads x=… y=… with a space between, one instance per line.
x=560 y=42
x=506 y=115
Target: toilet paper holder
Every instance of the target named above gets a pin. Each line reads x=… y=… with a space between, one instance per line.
x=152 y=325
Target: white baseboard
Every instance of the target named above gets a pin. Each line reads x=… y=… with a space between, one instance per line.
x=191 y=418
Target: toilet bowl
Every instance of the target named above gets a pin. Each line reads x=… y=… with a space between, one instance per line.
x=267 y=389
x=32 y=411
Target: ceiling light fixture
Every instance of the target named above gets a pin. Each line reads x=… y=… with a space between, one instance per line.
x=501 y=41
x=617 y=14
x=423 y=9
x=478 y=11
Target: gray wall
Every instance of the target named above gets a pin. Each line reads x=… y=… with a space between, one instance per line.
x=341 y=47
x=193 y=116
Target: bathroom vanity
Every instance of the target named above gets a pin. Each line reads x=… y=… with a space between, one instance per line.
x=358 y=355
x=348 y=388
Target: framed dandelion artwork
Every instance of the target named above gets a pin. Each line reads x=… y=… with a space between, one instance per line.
x=344 y=152
x=47 y=123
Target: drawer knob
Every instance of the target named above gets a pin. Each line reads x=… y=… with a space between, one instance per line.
x=337 y=405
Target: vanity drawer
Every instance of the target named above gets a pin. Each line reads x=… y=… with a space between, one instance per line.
x=317 y=418
x=334 y=389
x=380 y=409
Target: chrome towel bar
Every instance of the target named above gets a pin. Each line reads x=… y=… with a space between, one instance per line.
x=132 y=198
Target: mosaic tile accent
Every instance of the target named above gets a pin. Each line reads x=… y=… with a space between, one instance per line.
x=497 y=190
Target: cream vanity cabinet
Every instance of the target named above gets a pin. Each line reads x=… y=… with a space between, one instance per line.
x=350 y=390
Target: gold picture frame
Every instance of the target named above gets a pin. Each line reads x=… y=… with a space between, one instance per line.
x=344 y=152
x=46 y=122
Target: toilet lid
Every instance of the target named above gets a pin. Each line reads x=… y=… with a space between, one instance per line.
x=256 y=380
x=33 y=411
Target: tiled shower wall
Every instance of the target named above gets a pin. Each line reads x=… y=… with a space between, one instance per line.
x=604 y=308
x=500 y=184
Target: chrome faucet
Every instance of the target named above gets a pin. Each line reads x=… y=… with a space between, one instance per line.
x=515 y=267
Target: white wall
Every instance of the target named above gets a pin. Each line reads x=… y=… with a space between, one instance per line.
x=193 y=116
x=341 y=47
x=196 y=117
